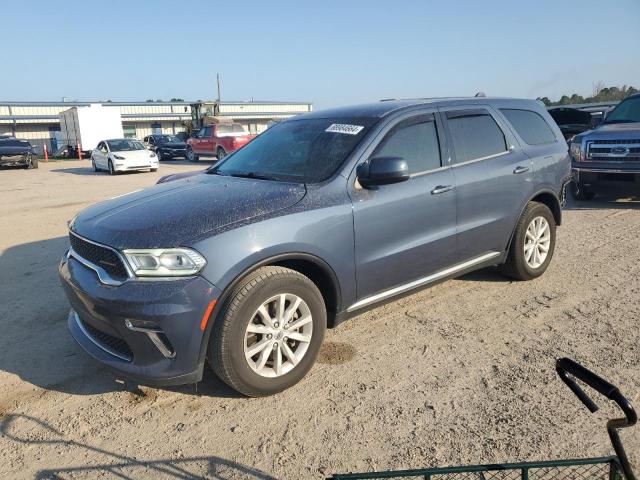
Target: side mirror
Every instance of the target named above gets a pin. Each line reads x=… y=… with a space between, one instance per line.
x=383 y=171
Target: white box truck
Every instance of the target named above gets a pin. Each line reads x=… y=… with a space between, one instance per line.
x=90 y=125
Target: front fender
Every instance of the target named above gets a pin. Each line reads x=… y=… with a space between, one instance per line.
x=325 y=234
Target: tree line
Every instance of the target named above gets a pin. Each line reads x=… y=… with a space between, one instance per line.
x=600 y=94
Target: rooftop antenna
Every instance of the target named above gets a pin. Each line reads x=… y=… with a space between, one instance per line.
x=480 y=94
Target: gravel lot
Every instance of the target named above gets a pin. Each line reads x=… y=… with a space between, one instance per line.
x=459 y=373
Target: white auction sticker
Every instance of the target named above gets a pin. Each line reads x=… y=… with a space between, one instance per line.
x=343 y=128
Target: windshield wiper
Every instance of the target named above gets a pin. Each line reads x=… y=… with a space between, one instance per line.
x=622 y=120
x=257 y=176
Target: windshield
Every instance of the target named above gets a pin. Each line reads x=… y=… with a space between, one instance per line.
x=306 y=151
x=168 y=139
x=124 y=145
x=231 y=128
x=627 y=111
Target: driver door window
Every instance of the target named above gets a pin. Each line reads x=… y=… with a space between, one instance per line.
x=416 y=141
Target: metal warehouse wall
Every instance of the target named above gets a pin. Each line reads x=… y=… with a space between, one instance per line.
x=38 y=122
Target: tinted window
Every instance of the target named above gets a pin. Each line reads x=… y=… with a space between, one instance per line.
x=298 y=150
x=531 y=127
x=627 y=111
x=205 y=132
x=230 y=128
x=475 y=135
x=416 y=141
x=124 y=145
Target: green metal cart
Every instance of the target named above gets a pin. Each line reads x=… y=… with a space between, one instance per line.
x=604 y=468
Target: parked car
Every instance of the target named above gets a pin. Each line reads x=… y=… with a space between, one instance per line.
x=123 y=155
x=183 y=136
x=217 y=140
x=166 y=146
x=320 y=218
x=16 y=152
x=609 y=155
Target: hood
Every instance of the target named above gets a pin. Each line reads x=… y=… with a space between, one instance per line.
x=12 y=146
x=617 y=131
x=171 y=214
x=133 y=154
x=176 y=145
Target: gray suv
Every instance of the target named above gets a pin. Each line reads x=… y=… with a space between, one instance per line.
x=320 y=218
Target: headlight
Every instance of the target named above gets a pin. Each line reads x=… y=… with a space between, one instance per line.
x=153 y=154
x=160 y=262
x=575 y=149
x=118 y=157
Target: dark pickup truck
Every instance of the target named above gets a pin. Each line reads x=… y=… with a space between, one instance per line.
x=608 y=155
x=15 y=152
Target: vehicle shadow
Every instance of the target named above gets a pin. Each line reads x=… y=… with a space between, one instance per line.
x=489 y=274
x=36 y=345
x=607 y=200
x=50 y=441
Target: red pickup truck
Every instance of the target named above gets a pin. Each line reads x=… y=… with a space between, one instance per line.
x=217 y=140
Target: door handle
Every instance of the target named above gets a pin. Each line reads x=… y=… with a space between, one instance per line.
x=441 y=189
x=520 y=169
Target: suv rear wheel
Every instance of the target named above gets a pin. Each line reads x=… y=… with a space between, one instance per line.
x=533 y=243
x=581 y=193
x=269 y=332
x=220 y=153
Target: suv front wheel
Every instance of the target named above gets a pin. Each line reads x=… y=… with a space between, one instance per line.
x=191 y=156
x=269 y=332
x=533 y=243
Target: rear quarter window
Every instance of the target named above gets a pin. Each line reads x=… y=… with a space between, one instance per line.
x=531 y=127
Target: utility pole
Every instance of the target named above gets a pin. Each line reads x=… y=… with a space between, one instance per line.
x=218 y=81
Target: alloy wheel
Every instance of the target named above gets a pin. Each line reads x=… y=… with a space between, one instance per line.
x=537 y=242
x=278 y=335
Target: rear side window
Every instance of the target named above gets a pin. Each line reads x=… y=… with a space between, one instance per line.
x=415 y=140
x=531 y=127
x=475 y=135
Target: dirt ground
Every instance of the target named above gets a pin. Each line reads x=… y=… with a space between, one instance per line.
x=459 y=373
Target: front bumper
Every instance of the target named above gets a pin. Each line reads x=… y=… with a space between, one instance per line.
x=172 y=153
x=126 y=327
x=15 y=160
x=134 y=166
x=600 y=173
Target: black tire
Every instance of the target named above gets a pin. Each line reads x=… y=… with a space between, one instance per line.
x=33 y=162
x=111 y=169
x=93 y=164
x=226 y=346
x=160 y=156
x=581 y=193
x=516 y=266
x=153 y=169
x=220 y=153
x=191 y=156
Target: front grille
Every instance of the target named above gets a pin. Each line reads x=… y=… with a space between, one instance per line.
x=108 y=342
x=618 y=142
x=103 y=257
x=627 y=150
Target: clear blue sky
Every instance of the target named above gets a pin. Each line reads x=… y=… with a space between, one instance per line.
x=327 y=52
